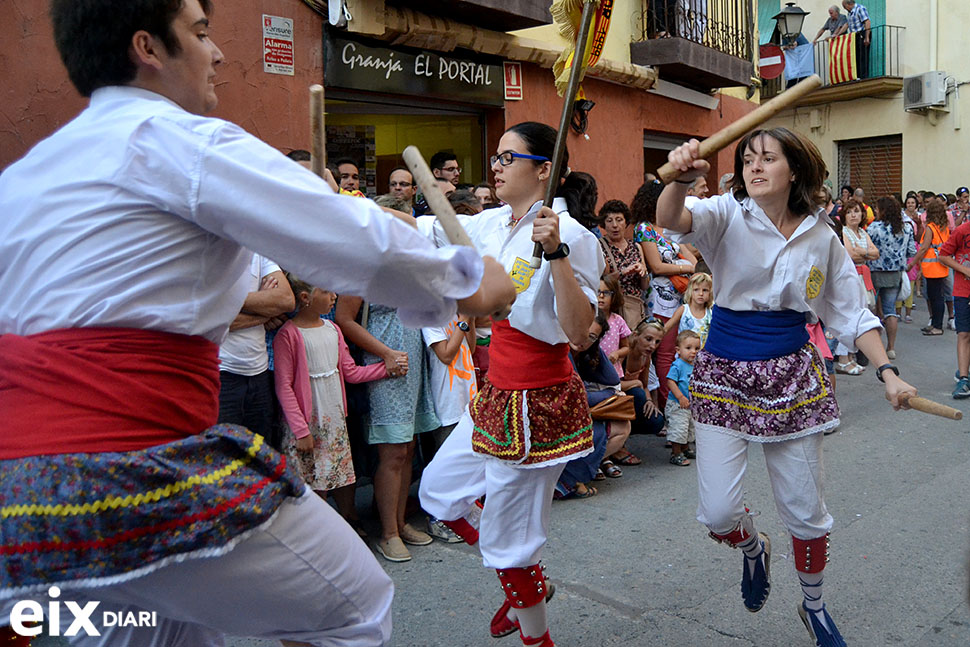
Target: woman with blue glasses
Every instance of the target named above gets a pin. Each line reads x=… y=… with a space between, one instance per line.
x=531 y=416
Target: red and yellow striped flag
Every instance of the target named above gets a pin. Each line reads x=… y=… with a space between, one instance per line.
x=566 y=16
x=842 y=63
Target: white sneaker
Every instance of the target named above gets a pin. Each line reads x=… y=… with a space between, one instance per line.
x=440 y=531
x=951 y=324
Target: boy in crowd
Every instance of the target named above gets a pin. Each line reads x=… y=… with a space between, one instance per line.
x=955 y=254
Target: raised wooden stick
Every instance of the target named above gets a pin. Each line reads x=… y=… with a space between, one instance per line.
x=318 y=134
x=737 y=129
x=569 y=98
x=928 y=406
x=439 y=204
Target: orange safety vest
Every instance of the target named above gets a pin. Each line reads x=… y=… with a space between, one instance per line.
x=931 y=265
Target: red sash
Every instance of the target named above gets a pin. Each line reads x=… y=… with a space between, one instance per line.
x=518 y=361
x=104 y=390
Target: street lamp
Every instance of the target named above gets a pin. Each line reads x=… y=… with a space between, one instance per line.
x=789 y=21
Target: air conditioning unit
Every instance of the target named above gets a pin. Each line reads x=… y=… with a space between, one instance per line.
x=924 y=90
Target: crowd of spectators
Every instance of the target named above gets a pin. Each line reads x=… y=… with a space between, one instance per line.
x=401 y=391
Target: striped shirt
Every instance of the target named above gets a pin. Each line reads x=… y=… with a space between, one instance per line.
x=857 y=18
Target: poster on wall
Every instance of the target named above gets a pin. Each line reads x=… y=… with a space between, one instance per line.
x=277 y=45
x=358 y=143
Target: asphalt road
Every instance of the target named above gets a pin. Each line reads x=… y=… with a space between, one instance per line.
x=633 y=567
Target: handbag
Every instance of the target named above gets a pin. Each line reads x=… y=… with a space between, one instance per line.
x=616 y=407
x=680 y=281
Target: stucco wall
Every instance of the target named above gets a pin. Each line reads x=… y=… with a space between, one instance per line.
x=614 y=152
x=38 y=97
x=930 y=152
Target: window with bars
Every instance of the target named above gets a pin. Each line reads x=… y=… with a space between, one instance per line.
x=875 y=164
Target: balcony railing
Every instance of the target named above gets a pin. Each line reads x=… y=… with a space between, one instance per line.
x=883 y=61
x=722 y=25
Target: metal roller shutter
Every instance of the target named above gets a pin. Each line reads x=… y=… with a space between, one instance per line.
x=874 y=163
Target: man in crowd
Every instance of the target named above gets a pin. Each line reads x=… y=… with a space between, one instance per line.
x=123 y=239
x=401 y=185
x=832 y=25
x=348 y=174
x=857 y=22
x=958 y=210
x=445 y=165
x=247 y=395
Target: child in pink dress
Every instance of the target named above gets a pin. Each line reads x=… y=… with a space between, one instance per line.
x=312 y=362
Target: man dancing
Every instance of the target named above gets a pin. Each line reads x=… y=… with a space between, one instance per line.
x=123 y=240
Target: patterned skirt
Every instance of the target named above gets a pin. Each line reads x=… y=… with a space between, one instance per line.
x=88 y=520
x=764 y=400
x=533 y=428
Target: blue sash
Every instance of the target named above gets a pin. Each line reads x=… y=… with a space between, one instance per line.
x=748 y=336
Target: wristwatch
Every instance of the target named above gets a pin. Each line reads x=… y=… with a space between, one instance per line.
x=885 y=367
x=561 y=252
x=463 y=326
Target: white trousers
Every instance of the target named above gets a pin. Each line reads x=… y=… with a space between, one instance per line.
x=306 y=577
x=794 y=468
x=515 y=521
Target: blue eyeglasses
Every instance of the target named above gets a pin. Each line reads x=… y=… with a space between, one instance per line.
x=508 y=157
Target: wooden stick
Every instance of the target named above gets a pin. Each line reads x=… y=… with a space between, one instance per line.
x=575 y=76
x=737 y=129
x=318 y=131
x=439 y=204
x=928 y=406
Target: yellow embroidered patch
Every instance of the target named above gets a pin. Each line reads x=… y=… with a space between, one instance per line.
x=521 y=275
x=813 y=286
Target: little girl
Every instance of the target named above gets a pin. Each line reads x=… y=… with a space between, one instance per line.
x=695 y=314
x=312 y=362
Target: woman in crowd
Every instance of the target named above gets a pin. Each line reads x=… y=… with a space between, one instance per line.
x=861 y=250
x=664 y=260
x=398 y=411
x=624 y=258
x=911 y=215
x=581 y=196
x=936 y=233
x=895 y=242
x=531 y=416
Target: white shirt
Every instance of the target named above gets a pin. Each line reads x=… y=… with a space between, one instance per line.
x=534 y=311
x=243 y=351
x=756 y=269
x=136 y=214
x=453 y=386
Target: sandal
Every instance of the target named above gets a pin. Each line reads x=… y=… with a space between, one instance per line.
x=585 y=493
x=679 y=460
x=611 y=470
x=849 y=368
x=627 y=459
x=690 y=453
x=932 y=332
x=599 y=476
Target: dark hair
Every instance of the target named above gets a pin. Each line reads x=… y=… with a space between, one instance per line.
x=540 y=139
x=93 y=37
x=299 y=155
x=613 y=285
x=465 y=202
x=401 y=168
x=438 y=159
x=644 y=204
x=936 y=214
x=890 y=212
x=803 y=159
x=345 y=160
x=849 y=205
x=616 y=206
x=492 y=198
x=580 y=192
x=588 y=360
x=846 y=187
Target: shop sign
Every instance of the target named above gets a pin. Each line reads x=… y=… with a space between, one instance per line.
x=419 y=73
x=513 y=81
x=277 y=45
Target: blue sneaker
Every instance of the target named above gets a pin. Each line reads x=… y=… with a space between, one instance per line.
x=823 y=637
x=956 y=375
x=755 y=588
x=962 y=390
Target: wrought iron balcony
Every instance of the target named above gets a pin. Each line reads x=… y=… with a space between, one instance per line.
x=705 y=44
x=880 y=74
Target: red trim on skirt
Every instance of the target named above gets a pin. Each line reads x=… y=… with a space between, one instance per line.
x=518 y=361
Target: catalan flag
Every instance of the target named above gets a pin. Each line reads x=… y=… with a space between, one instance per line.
x=842 y=61
x=566 y=16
